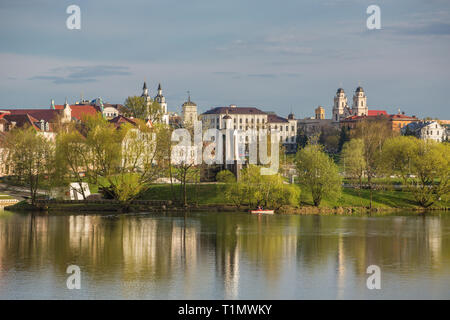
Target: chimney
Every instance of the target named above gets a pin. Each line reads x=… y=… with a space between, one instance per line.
x=42 y=125
x=232 y=106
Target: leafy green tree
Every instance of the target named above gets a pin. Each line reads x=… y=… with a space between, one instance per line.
x=431 y=168
x=138 y=107
x=122 y=159
x=72 y=157
x=255 y=189
x=32 y=157
x=225 y=176
x=318 y=172
x=397 y=155
x=329 y=138
x=353 y=161
x=373 y=132
x=344 y=136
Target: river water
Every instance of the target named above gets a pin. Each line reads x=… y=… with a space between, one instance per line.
x=224 y=256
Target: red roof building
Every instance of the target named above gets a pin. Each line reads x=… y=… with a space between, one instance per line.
x=397 y=121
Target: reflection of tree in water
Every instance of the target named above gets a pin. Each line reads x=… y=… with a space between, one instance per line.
x=158 y=248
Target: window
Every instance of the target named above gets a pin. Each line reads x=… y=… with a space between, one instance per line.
x=240 y=120
x=293 y=128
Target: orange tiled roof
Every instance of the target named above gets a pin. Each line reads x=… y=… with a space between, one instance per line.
x=79 y=111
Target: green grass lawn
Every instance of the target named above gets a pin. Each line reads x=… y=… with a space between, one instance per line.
x=381 y=199
x=214 y=194
x=5 y=196
x=202 y=193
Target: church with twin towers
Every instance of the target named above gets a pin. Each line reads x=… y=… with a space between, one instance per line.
x=341 y=109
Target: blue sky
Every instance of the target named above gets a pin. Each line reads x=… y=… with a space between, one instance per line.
x=275 y=55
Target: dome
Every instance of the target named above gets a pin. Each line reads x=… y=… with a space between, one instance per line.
x=291 y=116
x=226 y=117
x=189 y=103
x=340 y=90
x=359 y=89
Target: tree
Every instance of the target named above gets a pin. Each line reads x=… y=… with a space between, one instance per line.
x=329 y=138
x=31 y=155
x=344 y=136
x=431 y=168
x=373 y=132
x=225 y=176
x=255 y=189
x=186 y=172
x=397 y=155
x=138 y=107
x=123 y=159
x=353 y=161
x=318 y=172
x=72 y=157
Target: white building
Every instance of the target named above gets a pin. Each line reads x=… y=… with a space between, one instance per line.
x=250 y=118
x=427 y=130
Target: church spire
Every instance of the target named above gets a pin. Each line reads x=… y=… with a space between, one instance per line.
x=145 y=90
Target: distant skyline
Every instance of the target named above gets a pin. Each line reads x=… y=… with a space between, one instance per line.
x=276 y=56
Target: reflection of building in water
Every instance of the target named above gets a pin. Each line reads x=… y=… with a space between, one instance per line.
x=227 y=261
x=434 y=233
x=341 y=270
x=184 y=243
x=85 y=237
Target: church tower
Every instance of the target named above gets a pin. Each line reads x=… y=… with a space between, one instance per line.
x=359 y=107
x=189 y=112
x=67 y=113
x=340 y=104
x=145 y=93
x=319 y=113
x=161 y=99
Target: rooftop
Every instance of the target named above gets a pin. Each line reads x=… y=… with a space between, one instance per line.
x=235 y=110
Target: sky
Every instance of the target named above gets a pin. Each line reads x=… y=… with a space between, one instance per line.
x=280 y=56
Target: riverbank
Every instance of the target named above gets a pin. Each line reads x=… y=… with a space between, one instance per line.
x=109 y=207
x=205 y=194
x=210 y=198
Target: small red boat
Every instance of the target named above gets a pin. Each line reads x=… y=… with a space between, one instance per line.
x=261 y=211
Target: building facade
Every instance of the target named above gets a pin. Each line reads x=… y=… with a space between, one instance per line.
x=251 y=118
x=426 y=130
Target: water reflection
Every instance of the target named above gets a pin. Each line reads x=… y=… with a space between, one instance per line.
x=220 y=256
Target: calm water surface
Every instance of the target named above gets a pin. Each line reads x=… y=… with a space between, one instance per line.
x=224 y=256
